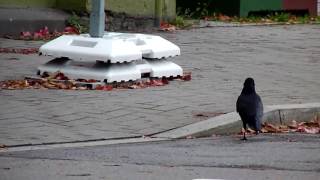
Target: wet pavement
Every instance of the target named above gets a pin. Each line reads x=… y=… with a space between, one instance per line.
x=284 y=61
x=266 y=156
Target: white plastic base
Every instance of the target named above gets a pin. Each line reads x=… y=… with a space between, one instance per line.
x=106 y=72
x=112 y=47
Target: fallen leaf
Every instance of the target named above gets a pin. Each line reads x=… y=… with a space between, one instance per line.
x=19 y=51
x=270 y=128
x=107 y=88
x=224 y=17
x=263 y=130
x=60 y=76
x=82 y=88
x=62 y=86
x=25 y=34
x=167 y=27
x=71 y=30
x=293 y=125
x=49 y=85
x=59 y=80
x=308 y=130
x=99 y=87
x=186 y=76
x=92 y=81
x=134 y=86
x=156 y=82
x=165 y=81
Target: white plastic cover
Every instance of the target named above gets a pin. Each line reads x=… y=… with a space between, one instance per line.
x=106 y=72
x=112 y=47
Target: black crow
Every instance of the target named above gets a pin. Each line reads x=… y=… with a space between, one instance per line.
x=250 y=107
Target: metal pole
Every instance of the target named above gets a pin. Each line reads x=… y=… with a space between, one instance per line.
x=97 y=18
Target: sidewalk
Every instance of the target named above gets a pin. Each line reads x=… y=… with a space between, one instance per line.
x=284 y=60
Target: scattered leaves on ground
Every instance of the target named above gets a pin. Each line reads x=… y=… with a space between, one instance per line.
x=42 y=34
x=167 y=27
x=59 y=81
x=19 y=51
x=311 y=127
x=45 y=34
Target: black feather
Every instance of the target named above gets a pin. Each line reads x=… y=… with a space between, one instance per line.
x=249 y=106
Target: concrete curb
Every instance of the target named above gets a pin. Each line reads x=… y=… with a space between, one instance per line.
x=231 y=123
x=224 y=124
x=81 y=144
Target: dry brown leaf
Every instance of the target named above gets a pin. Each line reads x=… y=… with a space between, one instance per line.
x=293 y=124
x=263 y=130
x=107 y=88
x=58 y=80
x=309 y=130
x=82 y=88
x=99 y=87
x=251 y=131
x=49 y=85
x=311 y=124
x=271 y=128
x=134 y=87
x=61 y=86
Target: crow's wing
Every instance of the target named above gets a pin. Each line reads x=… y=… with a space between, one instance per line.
x=259 y=112
x=246 y=104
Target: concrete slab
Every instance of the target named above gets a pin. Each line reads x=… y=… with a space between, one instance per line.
x=283 y=60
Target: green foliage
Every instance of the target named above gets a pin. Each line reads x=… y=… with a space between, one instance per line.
x=198 y=9
x=194 y=8
x=280 y=17
x=79 y=23
x=303 y=19
x=180 y=22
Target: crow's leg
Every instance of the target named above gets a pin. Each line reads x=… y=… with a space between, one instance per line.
x=244 y=132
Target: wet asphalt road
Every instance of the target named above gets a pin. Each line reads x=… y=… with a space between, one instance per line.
x=284 y=156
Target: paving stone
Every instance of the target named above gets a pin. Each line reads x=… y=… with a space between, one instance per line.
x=284 y=61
